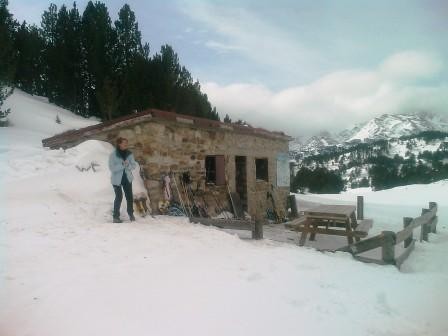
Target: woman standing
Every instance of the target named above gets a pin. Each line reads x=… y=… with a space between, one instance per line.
x=121 y=164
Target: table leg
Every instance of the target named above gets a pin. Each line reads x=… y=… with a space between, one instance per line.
x=313 y=234
x=354 y=225
x=304 y=233
x=354 y=221
x=349 y=231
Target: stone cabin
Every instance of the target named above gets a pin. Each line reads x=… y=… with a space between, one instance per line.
x=249 y=161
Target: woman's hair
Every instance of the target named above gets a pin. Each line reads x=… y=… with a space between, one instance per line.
x=120 y=140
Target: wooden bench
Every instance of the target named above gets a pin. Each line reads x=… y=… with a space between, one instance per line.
x=359 y=232
x=294 y=224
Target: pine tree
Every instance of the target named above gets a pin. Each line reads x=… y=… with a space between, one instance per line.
x=67 y=70
x=227 y=119
x=107 y=99
x=175 y=89
x=30 y=48
x=129 y=43
x=166 y=73
x=92 y=67
x=75 y=88
x=129 y=56
x=99 y=41
x=7 y=57
x=50 y=56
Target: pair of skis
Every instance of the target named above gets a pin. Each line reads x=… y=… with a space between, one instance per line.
x=179 y=195
x=279 y=212
x=186 y=196
x=197 y=209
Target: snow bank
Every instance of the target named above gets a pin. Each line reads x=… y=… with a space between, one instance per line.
x=32 y=119
x=36 y=116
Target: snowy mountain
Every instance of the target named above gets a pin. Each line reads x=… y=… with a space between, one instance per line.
x=387 y=151
x=386 y=126
x=390 y=126
x=295 y=145
x=313 y=145
x=322 y=140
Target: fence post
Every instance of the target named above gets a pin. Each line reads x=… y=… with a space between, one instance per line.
x=434 y=220
x=406 y=222
x=360 y=207
x=388 y=247
x=293 y=204
x=425 y=228
x=257 y=232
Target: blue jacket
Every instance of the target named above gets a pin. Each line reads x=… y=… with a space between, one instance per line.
x=117 y=167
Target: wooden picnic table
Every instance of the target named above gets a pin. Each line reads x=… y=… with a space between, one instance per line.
x=337 y=220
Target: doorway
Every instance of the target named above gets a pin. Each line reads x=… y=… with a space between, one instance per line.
x=241 y=179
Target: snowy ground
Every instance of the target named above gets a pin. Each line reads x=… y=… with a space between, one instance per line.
x=65 y=269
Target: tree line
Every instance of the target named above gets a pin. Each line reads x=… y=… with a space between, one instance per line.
x=425 y=168
x=384 y=170
x=318 y=180
x=94 y=67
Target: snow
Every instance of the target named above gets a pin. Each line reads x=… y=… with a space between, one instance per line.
x=65 y=269
x=36 y=115
x=393 y=126
x=32 y=119
x=417 y=146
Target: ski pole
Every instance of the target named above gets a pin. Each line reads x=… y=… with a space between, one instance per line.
x=231 y=199
x=180 y=196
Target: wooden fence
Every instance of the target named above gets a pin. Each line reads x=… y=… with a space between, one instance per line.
x=388 y=240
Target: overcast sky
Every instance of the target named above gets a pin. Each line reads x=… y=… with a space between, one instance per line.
x=300 y=66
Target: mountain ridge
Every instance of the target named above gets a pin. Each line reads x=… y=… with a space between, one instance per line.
x=384 y=127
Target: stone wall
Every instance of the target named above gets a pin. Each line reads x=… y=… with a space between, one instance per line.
x=163 y=146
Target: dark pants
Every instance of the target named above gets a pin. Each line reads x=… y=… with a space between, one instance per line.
x=127 y=187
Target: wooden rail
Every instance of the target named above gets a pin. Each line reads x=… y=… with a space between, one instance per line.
x=387 y=240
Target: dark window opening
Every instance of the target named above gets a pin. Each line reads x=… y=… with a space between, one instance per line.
x=241 y=179
x=214 y=169
x=210 y=169
x=261 y=169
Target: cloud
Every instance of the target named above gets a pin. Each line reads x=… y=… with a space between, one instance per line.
x=411 y=65
x=258 y=40
x=295 y=42
x=340 y=99
x=221 y=47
